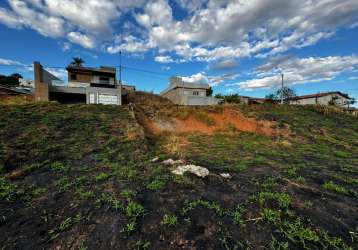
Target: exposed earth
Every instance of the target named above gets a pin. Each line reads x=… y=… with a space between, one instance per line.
x=93 y=177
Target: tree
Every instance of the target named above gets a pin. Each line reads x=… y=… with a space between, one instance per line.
x=288 y=94
x=11 y=80
x=77 y=61
x=16 y=75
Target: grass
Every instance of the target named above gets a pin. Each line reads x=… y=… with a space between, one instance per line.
x=334 y=187
x=63 y=164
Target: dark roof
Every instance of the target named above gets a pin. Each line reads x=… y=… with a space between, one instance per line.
x=320 y=95
x=102 y=69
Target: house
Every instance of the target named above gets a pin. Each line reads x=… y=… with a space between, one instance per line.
x=126 y=89
x=26 y=83
x=85 y=85
x=187 y=93
x=328 y=98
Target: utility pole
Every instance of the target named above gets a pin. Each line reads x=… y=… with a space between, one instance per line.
x=282 y=89
x=120 y=67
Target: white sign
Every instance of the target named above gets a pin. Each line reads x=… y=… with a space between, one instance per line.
x=107 y=99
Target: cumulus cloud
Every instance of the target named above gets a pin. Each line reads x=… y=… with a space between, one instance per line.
x=89 y=21
x=129 y=44
x=59 y=73
x=209 y=30
x=301 y=70
x=10 y=62
x=225 y=64
x=163 y=59
x=81 y=39
x=203 y=78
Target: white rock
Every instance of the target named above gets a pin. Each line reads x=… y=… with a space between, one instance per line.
x=225 y=175
x=172 y=162
x=155 y=159
x=198 y=171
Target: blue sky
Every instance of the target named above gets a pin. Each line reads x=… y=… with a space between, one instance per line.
x=235 y=46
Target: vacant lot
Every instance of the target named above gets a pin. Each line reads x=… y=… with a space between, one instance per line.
x=82 y=177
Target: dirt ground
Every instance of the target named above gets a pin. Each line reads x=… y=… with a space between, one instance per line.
x=83 y=177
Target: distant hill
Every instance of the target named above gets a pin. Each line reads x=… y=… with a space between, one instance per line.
x=83 y=176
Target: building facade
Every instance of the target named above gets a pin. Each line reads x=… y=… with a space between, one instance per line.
x=329 y=98
x=85 y=85
x=185 y=93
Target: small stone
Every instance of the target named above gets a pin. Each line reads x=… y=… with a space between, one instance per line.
x=197 y=170
x=225 y=175
x=172 y=162
x=155 y=159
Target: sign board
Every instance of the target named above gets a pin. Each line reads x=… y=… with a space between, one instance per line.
x=107 y=99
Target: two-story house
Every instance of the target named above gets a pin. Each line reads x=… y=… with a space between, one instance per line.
x=188 y=93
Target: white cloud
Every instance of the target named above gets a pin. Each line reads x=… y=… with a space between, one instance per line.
x=301 y=70
x=209 y=30
x=201 y=77
x=163 y=59
x=129 y=44
x=10 y=62
x=59 y=73
x=81 y=39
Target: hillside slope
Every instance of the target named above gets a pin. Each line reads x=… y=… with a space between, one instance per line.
x=82 y=177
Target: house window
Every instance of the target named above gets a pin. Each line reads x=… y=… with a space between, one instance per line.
x=196 y=93
x=103 y=79
x=73 y=77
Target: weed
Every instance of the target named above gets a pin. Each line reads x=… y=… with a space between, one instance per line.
x=127 y=193
x=283 y=199
x=102 y=177
x=341 y=154
x=109 y=199
x=59 y=166
x=237 y=215
x=207 y=204
x=63 y=183
x=134 y=210
x=38 y=191
x=334 y=187
x=129 y=228
x=142 y=245
x=85 y=194
x=271 y=215
x=301 y=179
x=296 y=231
x=169 y=220
x=156 y=184
x=8 y=191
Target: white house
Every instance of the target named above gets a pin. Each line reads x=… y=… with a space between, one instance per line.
x=328 y=98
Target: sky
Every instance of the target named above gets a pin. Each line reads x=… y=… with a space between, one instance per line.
x=236 y=46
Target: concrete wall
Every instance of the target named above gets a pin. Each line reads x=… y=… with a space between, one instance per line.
x=323 y=100
x=82 y=77
x=41 y=88
x=103 y=96
x=185 y=96
x=95 y=79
